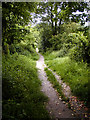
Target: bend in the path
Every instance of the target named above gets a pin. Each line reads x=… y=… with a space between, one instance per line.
x=55 y=105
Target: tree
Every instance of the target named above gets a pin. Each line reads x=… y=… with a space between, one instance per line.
x=56 y=13
x=15 y=17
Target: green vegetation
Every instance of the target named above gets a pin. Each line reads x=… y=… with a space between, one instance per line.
x=63 y=39
x=74 y=74
x=71 y=41
x=55 y=83
x=57 y=13
x=68 y=53
x=24 y=48
x=22 y=98
x=15 y=21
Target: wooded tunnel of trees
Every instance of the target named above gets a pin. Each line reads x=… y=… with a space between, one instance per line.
x=59 y=30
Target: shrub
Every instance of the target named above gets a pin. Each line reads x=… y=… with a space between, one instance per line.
x=55 y=42
x=80 y=50
x=12 y=48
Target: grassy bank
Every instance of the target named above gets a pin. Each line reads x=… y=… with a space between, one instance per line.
x=73 y=73
x=22 y=98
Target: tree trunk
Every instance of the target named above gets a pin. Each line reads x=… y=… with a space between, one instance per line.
x=52 y=20
x=55 y=32
x=59 y=30
x=55 y=26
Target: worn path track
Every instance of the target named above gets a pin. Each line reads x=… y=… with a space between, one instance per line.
x=55 y=105
x=80 y=110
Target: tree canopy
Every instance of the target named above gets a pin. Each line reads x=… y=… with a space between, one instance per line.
x=16 y=15
x=56 y=13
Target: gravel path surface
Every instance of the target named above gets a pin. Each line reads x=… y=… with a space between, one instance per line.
x=55 y=106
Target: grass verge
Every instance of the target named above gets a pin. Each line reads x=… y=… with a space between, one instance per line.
x=76 y=75
x=55 y=84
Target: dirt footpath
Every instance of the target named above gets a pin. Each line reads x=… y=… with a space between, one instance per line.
x=55 y=106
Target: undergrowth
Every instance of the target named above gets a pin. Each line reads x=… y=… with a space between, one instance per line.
x=22 y=98
x=23 y=49
x=75 y=74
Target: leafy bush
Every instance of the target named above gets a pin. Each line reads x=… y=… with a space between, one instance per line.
x=12 y=49
x=80 y=50
x=24 y=49
x=70 y=27
x=55 y=42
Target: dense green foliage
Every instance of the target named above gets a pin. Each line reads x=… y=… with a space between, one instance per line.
x=64 y=43
x=15 y=17
x=71 y=41
x=80 y=50
x=56 y=13
x=22 y=98
x=46 y=34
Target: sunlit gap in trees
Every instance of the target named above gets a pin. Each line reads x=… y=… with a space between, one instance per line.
x=85 y=12
x=37 y=20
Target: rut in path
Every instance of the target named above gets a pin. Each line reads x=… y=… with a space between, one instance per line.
x=55 y=105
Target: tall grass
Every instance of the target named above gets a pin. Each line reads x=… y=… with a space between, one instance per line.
x=22 y=98
x=74 y=74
